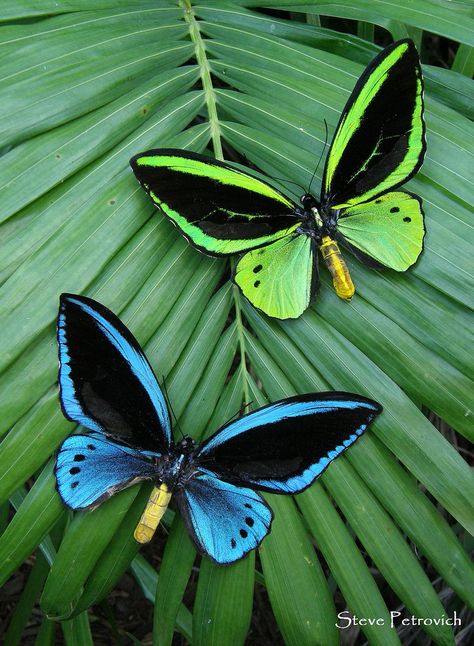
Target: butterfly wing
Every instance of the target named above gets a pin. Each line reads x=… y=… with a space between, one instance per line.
x=106 y=383
x=226 y=522
x=389 y=229
x=284 y=447
x=91 y=468
x=280 y=279
x=219 y=209
x=380 y=139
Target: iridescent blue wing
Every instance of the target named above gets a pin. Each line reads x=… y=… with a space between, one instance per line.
x=91 y=468
x=284 y=447
x=226 y=522
x=106 y=383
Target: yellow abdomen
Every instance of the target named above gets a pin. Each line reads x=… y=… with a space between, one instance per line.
x=341 y=279
x=154 y=510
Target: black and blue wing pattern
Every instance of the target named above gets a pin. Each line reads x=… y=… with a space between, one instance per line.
x=91 y=468
x=108 y=386
x=285 y=446
x=225 y=521
x=106 y=383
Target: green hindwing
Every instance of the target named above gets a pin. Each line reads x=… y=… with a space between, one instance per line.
x=281 y=278
x=219 y=209
x=389 y=229
x=380 y=139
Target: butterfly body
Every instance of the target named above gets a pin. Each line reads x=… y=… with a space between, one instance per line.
x=379 y=144
x=108 y=386
x=320 y=224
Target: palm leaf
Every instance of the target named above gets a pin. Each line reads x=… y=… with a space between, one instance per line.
x=85 y=85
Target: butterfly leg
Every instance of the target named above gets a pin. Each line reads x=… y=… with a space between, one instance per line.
x=341 y=279
x=154 y=511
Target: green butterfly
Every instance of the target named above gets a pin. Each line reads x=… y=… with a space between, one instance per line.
x=378 y=145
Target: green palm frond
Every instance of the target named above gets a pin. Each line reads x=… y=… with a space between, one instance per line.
x=85 y=85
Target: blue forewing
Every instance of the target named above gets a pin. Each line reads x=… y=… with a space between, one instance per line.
x=106 y=382
x=285 y=446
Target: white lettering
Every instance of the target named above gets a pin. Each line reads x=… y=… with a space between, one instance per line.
x=393 y=614
x=346 y=620
x=345 y=616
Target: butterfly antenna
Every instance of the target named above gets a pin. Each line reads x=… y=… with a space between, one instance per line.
x=277 y=179
x=239 y=413
x=168 y=401
x=244 y=406
x=320 y=156
x=288 y=181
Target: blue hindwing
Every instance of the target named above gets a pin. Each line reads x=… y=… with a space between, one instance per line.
x=225 y=521
x=91 y=468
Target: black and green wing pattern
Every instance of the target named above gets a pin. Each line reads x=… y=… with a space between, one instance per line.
x=380 y=139
x=378 y=145
x=219 y=209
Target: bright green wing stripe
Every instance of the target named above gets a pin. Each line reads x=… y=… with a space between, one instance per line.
x=225 y=176
x=212 y=244
x=379 y=142
x=352 y=120
x=390 y=229
x=278 y=279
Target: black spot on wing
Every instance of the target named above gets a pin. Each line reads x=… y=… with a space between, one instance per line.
x=407 y=219
x=74 y=470
x=394 y=209
x=79 y=457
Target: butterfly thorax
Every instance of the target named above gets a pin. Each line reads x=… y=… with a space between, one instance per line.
x=316 y=222
x=177 y=466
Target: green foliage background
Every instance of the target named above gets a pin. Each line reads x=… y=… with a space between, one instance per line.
x=85 y=85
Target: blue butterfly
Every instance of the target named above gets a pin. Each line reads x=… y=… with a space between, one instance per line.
x=108 y=386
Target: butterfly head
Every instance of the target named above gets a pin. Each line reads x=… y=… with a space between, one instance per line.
x=186 y=445
x=309 y=202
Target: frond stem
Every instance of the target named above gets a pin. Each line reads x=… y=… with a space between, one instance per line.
x=206 y=80
x=210 y=99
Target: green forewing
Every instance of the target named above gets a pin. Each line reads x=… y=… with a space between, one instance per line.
x=379 y=142
x=389 y=229
x=279 y=279
x=219 y=209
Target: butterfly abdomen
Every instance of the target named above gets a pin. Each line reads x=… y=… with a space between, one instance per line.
x=341 y=279
x=154 y=511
